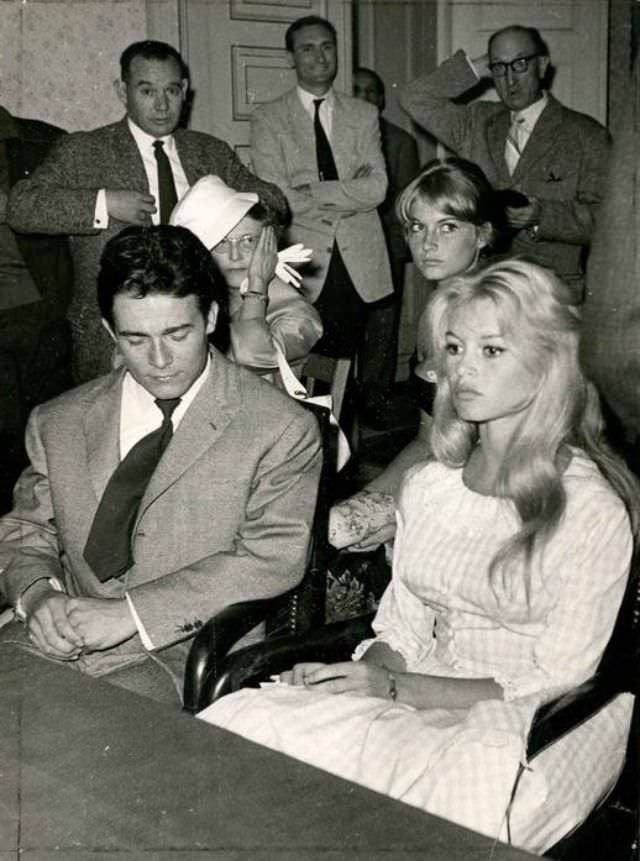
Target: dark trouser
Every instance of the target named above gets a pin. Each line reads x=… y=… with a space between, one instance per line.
x=342 y=311
x=380 y=350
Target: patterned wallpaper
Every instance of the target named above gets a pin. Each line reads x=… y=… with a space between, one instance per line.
x=58 y=60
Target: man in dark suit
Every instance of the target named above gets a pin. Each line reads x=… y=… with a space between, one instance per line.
x=527 y=142
x=162 y=492
x=35 y=288
x=130 y=172
x=381 y=345
x=323 y=149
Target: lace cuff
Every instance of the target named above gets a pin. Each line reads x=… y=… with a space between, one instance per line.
x=361 y=515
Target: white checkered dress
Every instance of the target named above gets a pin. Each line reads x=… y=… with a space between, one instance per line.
x=442 y=615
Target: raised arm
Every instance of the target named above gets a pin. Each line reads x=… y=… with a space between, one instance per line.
x=429 y=101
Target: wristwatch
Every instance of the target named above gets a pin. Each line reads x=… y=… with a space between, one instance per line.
x=19 y=611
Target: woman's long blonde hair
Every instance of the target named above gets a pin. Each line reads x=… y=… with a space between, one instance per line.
x=533 y=309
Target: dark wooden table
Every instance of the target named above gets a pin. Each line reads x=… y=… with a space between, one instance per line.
x=89 y=772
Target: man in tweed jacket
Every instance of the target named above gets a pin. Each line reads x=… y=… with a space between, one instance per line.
x=225 y=516
x=563 y=153
x=94 y=183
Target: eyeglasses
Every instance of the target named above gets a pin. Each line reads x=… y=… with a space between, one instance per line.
x=244 y=243
x=519 y=65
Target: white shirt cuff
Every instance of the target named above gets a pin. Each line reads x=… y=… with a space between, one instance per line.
x=101 y=214
x=472 y=65
x=146 y=639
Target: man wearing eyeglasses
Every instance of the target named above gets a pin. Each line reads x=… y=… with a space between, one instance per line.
x=550 y=158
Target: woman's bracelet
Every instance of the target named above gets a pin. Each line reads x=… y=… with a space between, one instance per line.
x=393 y=686
x=262 y=296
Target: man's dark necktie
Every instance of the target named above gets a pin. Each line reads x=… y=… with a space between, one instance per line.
x=326 y=165
x=108 y=547
x=166 y=185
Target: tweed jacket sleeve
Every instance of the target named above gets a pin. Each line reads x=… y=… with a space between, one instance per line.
x=429 y=102
x=57 y=197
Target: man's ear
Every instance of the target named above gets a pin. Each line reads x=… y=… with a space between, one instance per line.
x=121 y=91
x=212 y=318
x=108 y=328
x=543 y=65
x=292 y=63
x=184 y=85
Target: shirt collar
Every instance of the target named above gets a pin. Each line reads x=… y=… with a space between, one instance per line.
x=133 y=392
x=531 y=114
x=8 y=126
x=145 y=141
x=308 y=99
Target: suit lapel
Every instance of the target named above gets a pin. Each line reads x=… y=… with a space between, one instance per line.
x=188 y=154
x=542 y=138
x=102 y=433
x=301 y=124
x=127 y=166
x=212 y=410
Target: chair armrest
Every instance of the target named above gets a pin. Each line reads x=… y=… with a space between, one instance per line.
x=213 y=641
x=255 y=663
x=556 y=718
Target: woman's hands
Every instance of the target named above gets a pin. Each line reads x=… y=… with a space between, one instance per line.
x=263 y=261
x=359 y=678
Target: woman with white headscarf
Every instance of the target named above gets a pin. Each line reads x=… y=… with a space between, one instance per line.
x=269 y=318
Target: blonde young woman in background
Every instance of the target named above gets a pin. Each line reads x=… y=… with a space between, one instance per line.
x=451 y=220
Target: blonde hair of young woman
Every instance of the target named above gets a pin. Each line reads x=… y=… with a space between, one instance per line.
x=534 y=313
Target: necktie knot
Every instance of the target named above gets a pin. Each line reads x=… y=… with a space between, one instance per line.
x=158 y=146
x=167 y=407
x=317 y=103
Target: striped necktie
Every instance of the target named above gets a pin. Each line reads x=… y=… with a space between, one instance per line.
x=515 y=142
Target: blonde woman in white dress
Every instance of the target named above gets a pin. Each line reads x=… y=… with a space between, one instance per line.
x=512 y=554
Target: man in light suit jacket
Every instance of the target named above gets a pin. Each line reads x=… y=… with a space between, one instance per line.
x=94 y=183
x=337 y=218
x=527 y=142
x=226 y=512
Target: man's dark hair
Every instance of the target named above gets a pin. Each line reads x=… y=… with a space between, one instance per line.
x=539 y=45
x=308 y=21
x=376 y=78
x=164 y=260
x=150 y=50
